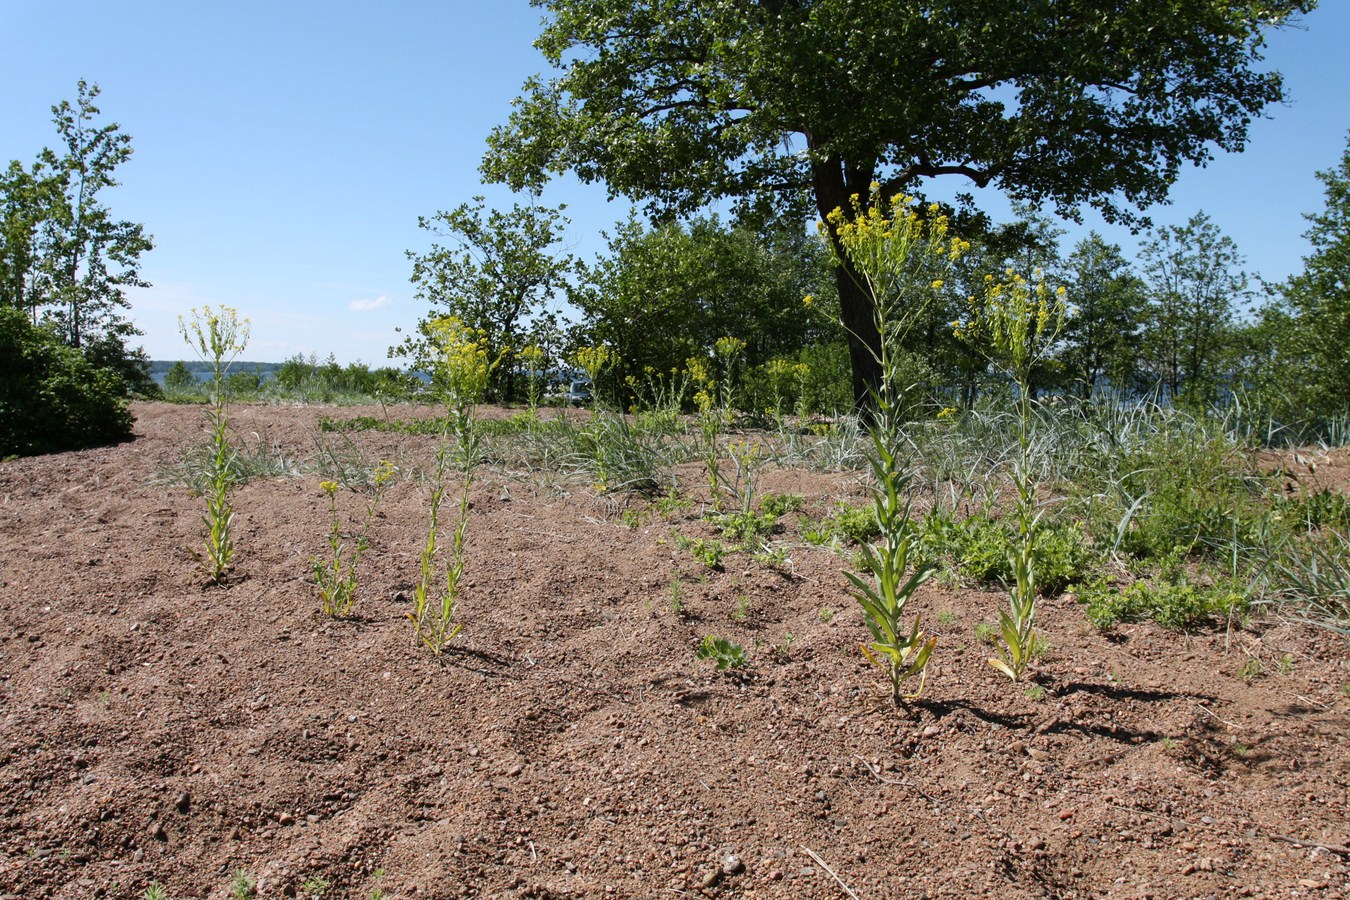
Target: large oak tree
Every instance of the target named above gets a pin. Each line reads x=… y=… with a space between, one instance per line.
x=1066 y=102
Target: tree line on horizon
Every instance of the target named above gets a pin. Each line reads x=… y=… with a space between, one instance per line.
x=788 y=110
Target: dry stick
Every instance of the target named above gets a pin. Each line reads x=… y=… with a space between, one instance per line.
x=1211 y=712
x=903 y=782
x=824 y=865
x=1338 y=849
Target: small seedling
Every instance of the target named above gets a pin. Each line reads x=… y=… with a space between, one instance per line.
x=785 y=648
x=1250 y=669
x=722 y=651
x=377 y=892
x=708 y=552
x=242 y=886
x=1034 y=693
x=677 y=597
x=1169 y=744
x=741 y=611
x=826 y=615
x=1286 y=665
x=1241 y=751
x=946 y=618
x=986 y=632
x=316 y=885
x=155 y=892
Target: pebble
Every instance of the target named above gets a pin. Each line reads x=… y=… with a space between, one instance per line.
x=732 y=864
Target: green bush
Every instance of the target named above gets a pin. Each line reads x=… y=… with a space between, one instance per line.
x=51 y=397
x=982 y=546
x=1179 y=605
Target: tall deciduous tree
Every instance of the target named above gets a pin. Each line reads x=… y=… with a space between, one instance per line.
x=683 y=102
x=496 y=272
x=28 y=209
x=1109 y=301
x=1195 y=283
x=1313 y=344
x=92 y=257
x=667 y=292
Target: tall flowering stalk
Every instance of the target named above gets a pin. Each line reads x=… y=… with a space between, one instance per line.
x=336 y=574
x=901 y=255
x=714 y=396
x=1015 y=325
x=461 y=371
x=218 y=337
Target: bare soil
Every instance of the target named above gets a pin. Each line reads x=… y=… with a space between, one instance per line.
x=570 y=744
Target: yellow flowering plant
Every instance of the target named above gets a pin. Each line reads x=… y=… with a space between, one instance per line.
x=901 y=254
x=218 y=336
x=461 y=372
x=1015 y=325
x=336 y=574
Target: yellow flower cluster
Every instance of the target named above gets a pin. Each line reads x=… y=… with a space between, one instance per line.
x=462 y=367
x=217 y=335
x=1016 y=322
x=594 y=360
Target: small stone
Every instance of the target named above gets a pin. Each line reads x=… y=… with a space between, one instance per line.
x=732 y=865
x=183 y=803
x=709 y=878
x=931 y=730
x=286 y=819
x=515 y=770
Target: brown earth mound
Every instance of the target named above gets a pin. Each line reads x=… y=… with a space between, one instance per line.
x=570 y=744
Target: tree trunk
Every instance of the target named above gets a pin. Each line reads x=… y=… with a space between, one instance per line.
x=834 y=184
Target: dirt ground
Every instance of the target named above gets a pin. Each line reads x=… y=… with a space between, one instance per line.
x=570 y=744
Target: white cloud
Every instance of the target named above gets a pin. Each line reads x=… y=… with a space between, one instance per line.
x=367 y=304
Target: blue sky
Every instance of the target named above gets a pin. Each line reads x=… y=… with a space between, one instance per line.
x=284 y=150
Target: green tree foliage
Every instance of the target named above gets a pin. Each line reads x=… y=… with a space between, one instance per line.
x=64 y=257
x=1310 y=328
x=665 y=293
x=28 y=206
x=51 y=397
x=179 y=377
x=1194 y=283
x=1098 y=340
x=496 y=273
x=683 y=102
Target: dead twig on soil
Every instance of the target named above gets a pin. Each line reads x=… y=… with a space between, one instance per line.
x=1211 y=712
x=1338 y=849
x=824 y=865
x=901 y=782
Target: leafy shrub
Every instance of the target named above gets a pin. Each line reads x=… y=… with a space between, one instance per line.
x=982 y=546
x=849 y=524
x=51 y=397
x=1179 y=605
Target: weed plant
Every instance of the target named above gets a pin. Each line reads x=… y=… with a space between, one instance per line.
x=335 y=574
x=218 y=337
x=723 y=652
x=900 y=257
x=1016 y=324
x=462 y=372
x=1176 y=604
